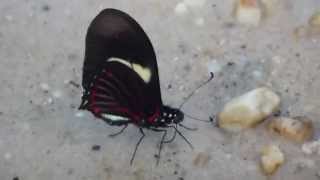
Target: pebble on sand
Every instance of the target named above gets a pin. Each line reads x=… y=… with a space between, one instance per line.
x=248 y=12
x=311 y=147
x=181 y=9
x=248 y=110
x=298 y=129
x=314 y=20
x=271 y=159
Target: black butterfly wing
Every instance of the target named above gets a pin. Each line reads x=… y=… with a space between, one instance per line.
x=118 y=46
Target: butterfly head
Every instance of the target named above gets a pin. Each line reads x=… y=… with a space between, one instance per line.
x=171 y=115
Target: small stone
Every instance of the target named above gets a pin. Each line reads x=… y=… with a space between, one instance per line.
x=15 y=178
x=195 y=3
x=9 y=18
x=96 y=148
x=303 y=163
x=57 y=94
x=199 y=21
x=298 y=129
x=44 y=87
x=7 y=156
x=243 y=46
x=272 y=158
x=46 y=8
x=48 y=101
x=311 y=147
x=201 y=160
x=214 y=66
x=248 y=12
x=269 y=6
x=79 y=114
x=248 y=110
x=314 y=20
x=181 y=9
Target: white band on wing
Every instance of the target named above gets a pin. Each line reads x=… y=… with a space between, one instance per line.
x=113 y=117
x=143 y=72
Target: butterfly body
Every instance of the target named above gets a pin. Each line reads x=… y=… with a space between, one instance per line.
x=120 y=78
x=120 y=74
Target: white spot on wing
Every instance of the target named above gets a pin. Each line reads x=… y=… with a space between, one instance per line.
x=143 y=72
x=113 y=117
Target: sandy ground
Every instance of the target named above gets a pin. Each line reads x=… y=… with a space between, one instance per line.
x=44 y=136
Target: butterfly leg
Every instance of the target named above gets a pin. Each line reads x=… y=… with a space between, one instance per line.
x=172 y=138
x=161 y=145
x=137 y=145
x=117 y=133
x=184 y=138
x=161 y=142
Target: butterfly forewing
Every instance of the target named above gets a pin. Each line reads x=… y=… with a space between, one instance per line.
x=120 y=74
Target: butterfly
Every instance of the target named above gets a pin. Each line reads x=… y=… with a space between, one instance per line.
x=120 y=78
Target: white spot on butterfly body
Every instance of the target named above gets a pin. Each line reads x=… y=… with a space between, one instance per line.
x=143 y=72
x=113 y=117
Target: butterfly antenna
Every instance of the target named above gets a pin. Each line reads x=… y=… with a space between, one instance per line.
x=211 y=119
x=192 y=93
x=201 y=85
x=187 y=128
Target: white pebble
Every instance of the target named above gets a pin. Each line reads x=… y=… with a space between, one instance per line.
x=57 y=94
x=305 y=163
x=79 y=114
x=249 y=109
x=199 y=21
x=9 y=18
x=26 y=126
x=271 y=159
x=311 y=147
x=50 y=100
x=44 y=86
x=195 y=3
x=7 y=156
x=181 y=9
x=257 y=74
x=66 y=81
x=228 y=156
x=214 y=66
x=248 y=12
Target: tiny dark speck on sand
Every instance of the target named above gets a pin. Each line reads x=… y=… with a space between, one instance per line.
x=95 y=147
x=16 y=178
x=46 y=8
x=180 y=178
x=243 y=46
